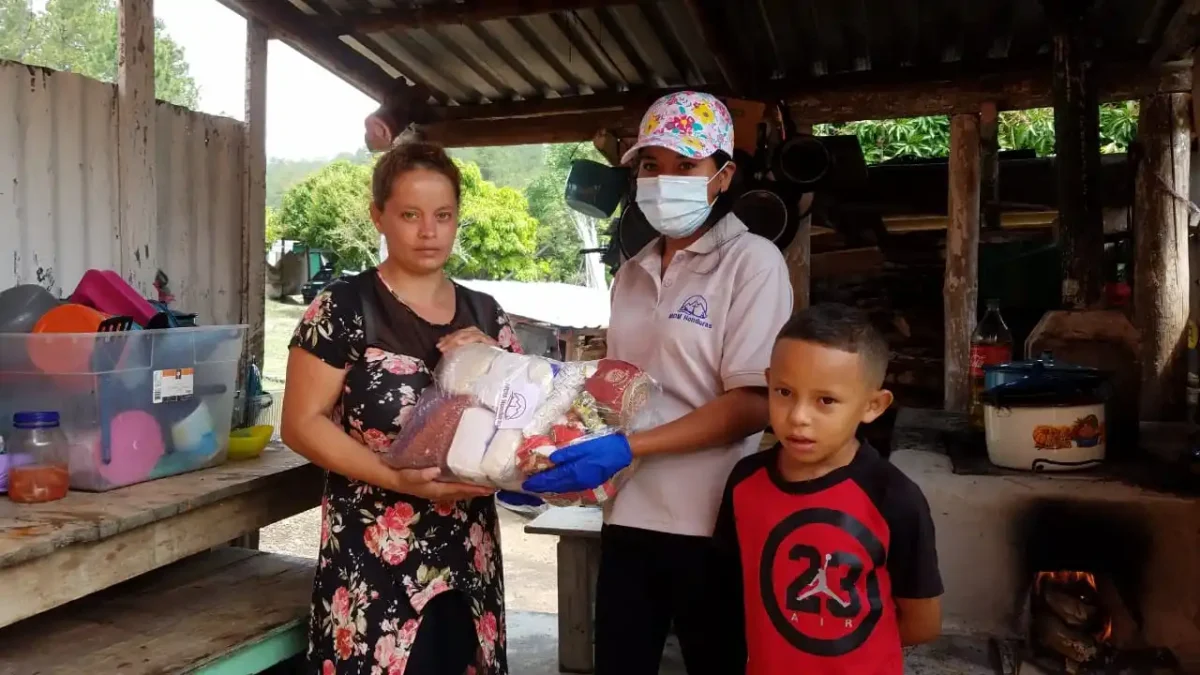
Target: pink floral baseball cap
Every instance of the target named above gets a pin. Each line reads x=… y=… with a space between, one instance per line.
x=688 y=122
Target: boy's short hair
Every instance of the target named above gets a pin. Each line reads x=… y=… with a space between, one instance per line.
x=842 y=328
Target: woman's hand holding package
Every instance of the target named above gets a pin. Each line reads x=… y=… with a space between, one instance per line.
x=583 y=466
x=423 y=483
x=466 y=336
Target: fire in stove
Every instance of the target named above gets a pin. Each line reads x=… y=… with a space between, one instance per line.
x=1068 y=619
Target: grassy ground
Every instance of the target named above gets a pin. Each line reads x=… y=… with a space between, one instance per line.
x=281 y=321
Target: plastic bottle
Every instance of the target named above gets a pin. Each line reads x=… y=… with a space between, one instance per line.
x=991 y=344
x=38 y=455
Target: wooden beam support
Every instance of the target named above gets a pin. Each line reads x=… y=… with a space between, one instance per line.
x=522 y=131
x=472 y=11
x=1181 y=33
x=254 y=190
x=717 y=41
x=138 y=205
x=961 y=286
x=989 y=139
x=1077 y=150
x=851 y=98
x=1161 y=293
x=312 y=38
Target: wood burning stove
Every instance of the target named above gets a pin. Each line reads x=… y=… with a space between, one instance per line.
x=1083 y=565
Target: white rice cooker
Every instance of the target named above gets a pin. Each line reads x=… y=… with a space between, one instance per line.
x=1045 y=416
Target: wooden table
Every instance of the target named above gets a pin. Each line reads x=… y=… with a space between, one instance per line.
x=53 y=553
x=225 y=611
x=578 y=532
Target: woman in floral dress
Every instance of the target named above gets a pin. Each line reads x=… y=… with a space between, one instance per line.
x=409 y=579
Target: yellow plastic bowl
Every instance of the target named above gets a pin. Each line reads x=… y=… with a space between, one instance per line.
x=249 y=443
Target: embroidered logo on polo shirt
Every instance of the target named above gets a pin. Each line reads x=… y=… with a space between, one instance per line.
x=693 y=310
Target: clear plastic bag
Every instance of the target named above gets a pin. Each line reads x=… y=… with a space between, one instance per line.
x=494 y=418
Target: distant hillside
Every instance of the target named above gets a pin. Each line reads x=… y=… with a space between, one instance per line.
x=284 y=173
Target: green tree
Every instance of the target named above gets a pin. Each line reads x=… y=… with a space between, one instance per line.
x=497 y=237
x=330 y=210
x=80 y=36
x=922 y=137
x=558 y=242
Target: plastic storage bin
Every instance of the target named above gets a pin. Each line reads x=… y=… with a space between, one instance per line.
x=134 y=406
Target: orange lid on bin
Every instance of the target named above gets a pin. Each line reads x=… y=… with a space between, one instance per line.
x=65 y=355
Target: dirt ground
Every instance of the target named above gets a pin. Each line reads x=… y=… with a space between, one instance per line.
x=531 y=579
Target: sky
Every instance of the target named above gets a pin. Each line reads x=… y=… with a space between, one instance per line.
x=311 y=114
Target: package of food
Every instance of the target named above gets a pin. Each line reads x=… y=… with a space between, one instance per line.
x=534 y=457
x=494 y=418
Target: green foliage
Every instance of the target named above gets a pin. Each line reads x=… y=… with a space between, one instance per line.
x=513 y=166
x=329 y=210
x=923 y=137
x=558 y=242
x=284 y=173
x=496 y=234
x=80 y=36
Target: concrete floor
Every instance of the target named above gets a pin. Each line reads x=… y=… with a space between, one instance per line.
x=531 y=592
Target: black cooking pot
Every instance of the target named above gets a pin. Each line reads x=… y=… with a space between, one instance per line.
x=1045 y=365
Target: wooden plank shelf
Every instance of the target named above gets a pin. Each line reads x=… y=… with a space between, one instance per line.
x=53 y=553
x=226 y=610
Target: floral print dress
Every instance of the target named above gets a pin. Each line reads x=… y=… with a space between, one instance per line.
x=385 y=555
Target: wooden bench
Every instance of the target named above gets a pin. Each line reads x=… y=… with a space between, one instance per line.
x=578 y=530
x=229 y=611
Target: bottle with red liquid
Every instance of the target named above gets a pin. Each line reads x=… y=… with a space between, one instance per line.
x=39 y=455
x=990 y=344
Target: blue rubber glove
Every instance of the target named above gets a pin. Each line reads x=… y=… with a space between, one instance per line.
x=583 y=466
x=518 y=498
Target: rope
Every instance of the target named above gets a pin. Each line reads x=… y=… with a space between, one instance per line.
x=1193 y=209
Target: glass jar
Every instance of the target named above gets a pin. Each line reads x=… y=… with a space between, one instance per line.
x=38 y=455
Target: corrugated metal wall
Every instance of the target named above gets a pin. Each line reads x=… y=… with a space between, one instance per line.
x=58 y=190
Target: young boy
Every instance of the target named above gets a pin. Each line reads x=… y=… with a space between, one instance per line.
x=829 y=547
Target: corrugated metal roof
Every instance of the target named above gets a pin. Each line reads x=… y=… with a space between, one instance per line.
x=600 y=47
x=561 y=305
x=58 y=191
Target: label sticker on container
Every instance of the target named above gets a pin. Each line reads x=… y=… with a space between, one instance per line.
x=517 y=403
x=173 y=385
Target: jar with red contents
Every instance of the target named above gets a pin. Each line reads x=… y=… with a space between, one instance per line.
x=38 y=454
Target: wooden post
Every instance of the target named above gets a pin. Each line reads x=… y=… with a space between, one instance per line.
x=1077 y=147
x=1161 y=292
x=961 y=286
x=799 y=253
x=138 y=198
x=254 y=195
x=989 y=138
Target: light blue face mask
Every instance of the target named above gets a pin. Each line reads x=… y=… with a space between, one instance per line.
x=675 y=206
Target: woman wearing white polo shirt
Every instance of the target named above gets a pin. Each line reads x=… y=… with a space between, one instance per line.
x=698 y=309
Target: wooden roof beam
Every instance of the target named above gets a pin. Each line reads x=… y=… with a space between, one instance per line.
x=842 y=99
x=1181 y=34
x=306 y=35
x=469 y=11
x=717 y=42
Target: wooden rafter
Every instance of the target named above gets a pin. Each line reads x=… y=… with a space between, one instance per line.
x=314 y=40
x=834 y=99
x=717 y=43
x=471 y=11
x=1181 y=33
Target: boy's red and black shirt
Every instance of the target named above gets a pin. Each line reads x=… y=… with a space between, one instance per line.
x=812 y=568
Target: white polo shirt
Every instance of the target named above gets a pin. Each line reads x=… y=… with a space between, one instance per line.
x=705 y=327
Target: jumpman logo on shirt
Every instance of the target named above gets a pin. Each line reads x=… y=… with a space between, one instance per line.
x=820 y=586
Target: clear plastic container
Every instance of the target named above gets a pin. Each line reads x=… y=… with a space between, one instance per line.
x=135 y=405
x=40 y=456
